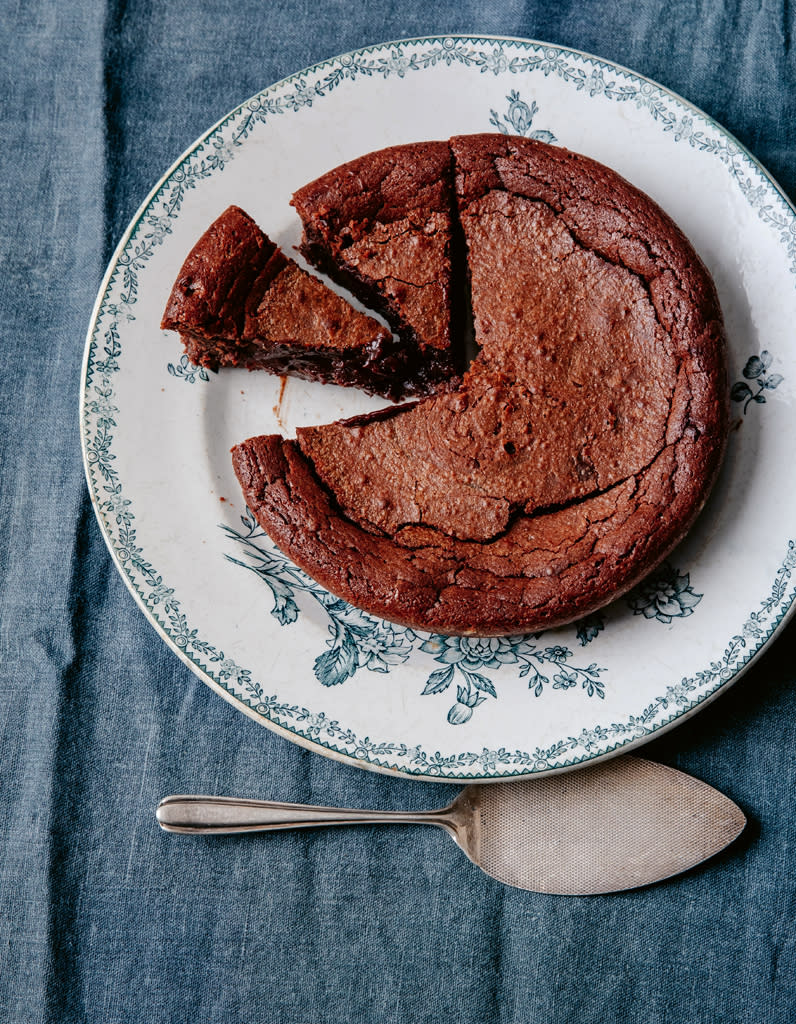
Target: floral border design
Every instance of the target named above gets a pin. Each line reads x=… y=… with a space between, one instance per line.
x=358 y=640
x=116 y=307
x=687 y=123
x=678 y=699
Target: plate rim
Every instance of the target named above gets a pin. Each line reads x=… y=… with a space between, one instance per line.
x=241 y=704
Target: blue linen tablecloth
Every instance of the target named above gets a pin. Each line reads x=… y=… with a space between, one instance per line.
x=103 y=917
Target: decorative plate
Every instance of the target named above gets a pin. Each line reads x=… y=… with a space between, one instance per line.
x=156 y=433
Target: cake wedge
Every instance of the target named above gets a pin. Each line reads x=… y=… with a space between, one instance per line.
x=240 y=301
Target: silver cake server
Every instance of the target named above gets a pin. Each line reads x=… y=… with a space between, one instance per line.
x=619 y=824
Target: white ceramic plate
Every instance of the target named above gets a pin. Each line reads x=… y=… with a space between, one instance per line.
x=157 y=432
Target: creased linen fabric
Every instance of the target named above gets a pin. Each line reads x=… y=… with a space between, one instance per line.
x=104 y=918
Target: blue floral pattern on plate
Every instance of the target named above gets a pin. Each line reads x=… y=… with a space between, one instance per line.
x=757 y=376
x=665 y=595
x=358 y=640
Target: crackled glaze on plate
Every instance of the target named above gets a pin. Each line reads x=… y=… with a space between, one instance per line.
x=157 y=431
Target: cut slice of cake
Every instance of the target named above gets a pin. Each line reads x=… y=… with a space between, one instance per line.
x=383 y=227
x=239 y=301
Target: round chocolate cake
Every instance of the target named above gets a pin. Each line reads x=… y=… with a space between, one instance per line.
x=582 y=440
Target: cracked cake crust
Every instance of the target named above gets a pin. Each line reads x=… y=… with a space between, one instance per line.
x=577 y=450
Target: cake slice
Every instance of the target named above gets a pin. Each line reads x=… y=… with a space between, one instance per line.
x=239 y=301
x=383 y=226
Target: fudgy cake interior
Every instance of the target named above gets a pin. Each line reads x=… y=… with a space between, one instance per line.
x=239 y=301
x=577 y=449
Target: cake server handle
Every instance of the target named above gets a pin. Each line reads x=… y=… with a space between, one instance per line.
x=214 y=815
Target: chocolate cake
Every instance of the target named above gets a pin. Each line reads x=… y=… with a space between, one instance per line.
x=239 y=301
x=382 y=226
x=576 y=451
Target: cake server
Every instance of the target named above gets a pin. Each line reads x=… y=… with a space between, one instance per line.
x=616 y=825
